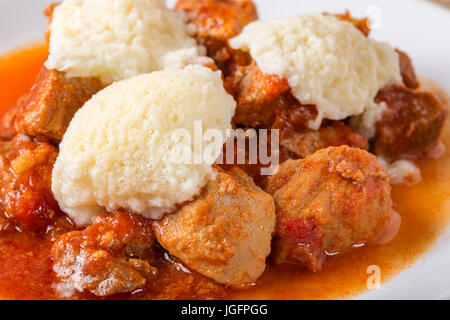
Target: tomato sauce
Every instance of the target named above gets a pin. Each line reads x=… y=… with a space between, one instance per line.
x=25 y=265
x=18 y=70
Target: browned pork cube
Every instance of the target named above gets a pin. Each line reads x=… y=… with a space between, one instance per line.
x=411 y=124
x=255 y=93
x=5 y=224
x=174 y=283
x=7 y=129
x=48 y=108
x=265 y=100
x=407 y=70
x=109 y=257
x=49 y=14
x=217 y=21
x=361 y=24
x=25 y=182
x=225 y=233
x=248 y=157
x=305 y=142
x=328 y=202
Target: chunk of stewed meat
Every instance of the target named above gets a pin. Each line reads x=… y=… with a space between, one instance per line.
x=175 y=281
x=328 y=202
x=254 y=92
x=361 y=24
x=263 y=100
x=246 y=154
x=5 y=224
x=305 y=142
x=109 y=257
x=25 y=182
x=411 y=124
x=45 y=112
x=217 y=21
x=224 y=234
x=407 y=70
x=7 y=128
x=49 y=14
x=251 y=86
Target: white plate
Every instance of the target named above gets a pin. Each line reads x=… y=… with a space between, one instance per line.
x=419 y=27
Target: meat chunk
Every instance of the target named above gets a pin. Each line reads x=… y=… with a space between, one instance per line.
x=5 y=224
x=407 y=70
x=305 y=142
x=174 y=281
x=263 y=100
x=7 y=129
x=48 y=108
x=109 y=257
x=248 y=159
x=216 y=21
x=361 y=24
x=291 y=145
x=411 y=124
x=327 y=203
x=255 y=87
x=225 y=233
x=254 y=92
x=49 y=14
x=25 y=182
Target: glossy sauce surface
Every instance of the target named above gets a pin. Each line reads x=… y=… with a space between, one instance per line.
x=18 y=71
x=25 y=266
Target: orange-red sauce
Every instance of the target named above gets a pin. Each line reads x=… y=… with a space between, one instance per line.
x=18 y=71
x=25 y=267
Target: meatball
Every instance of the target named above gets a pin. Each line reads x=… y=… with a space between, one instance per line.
x=328 y=202
x=225 y=233
x=25 y=183
x=109 y=257
x=411 y=124
x=45 y=112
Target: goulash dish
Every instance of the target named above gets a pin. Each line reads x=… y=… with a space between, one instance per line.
x=201 y=153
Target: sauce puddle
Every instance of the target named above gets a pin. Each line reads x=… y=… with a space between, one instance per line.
x=18 y=70
x=425 y=211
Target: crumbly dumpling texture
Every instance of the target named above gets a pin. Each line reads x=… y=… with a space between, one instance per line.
x=118 y=39
x=225 y=233
x=120 y=150
x=327 y=62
